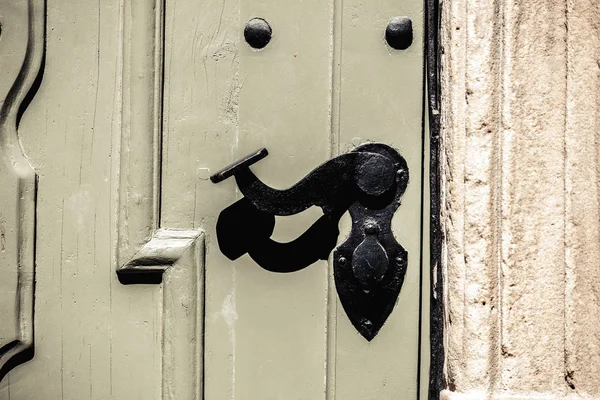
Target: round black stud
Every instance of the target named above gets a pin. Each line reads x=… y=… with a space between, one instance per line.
x=257 y=33
x=399 y=33
x=375 y=176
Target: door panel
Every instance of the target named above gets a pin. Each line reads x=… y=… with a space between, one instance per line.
x=139 y=104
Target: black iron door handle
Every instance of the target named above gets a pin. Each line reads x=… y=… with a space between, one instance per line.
x=369 y=267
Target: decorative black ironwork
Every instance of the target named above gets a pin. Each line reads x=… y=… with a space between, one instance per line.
x=369 y=267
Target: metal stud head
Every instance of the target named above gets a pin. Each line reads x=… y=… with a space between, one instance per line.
x=375 y=176
x=399 y=33
x=257 y=33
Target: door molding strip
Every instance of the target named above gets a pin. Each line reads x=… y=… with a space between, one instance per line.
x=22 y=48
x=139 y=167
x=140 y=150
x=147 y=253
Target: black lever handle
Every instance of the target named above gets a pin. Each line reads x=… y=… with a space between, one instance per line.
x=239 y=165
x=369 y=267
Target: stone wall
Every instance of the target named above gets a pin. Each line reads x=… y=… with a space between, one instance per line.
x=521 y=207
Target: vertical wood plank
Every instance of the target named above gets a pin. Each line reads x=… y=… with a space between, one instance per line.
x=22 y=52
x=183 y=323
x=174 y=255
x=136 y=310
x=284 y=105
x=98 y=339
x=92 y=333
x=140 y=139
x=223 y=100
x=201 y=79
x=380 y=99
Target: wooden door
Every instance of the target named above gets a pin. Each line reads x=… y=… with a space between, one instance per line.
x=124 y=109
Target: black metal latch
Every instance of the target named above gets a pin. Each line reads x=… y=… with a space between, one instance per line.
x=369 y=267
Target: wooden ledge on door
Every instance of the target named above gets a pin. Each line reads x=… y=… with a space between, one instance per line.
x=157 y=255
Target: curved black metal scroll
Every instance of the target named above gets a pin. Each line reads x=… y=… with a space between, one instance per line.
x=369 y=267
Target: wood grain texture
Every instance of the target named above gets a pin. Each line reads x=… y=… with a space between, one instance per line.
x=141 y=114
x=224 y=100
x=380 y=100
x=520 y=176
x=21 y=54
x=183 y=324
x=68 y=134
x=98 y=339
x=146 y=252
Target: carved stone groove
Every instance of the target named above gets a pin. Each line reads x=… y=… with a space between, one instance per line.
x=520 y=170
x=21 y=55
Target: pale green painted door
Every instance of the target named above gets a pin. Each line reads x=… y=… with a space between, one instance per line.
x=139 y=103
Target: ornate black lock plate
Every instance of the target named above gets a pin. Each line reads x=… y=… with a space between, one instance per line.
x=369 y=267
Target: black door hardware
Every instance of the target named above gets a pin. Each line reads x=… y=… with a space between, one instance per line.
x=369 y=267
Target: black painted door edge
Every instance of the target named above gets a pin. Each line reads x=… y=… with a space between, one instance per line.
x=432 y=68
